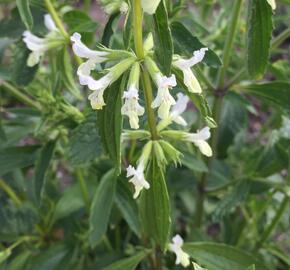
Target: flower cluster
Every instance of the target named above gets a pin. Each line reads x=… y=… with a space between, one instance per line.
x=169 y=109
x=38 y=46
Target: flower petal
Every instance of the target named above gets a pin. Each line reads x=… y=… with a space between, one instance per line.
x=150 y=6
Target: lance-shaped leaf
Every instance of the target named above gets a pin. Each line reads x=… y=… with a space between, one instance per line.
x=101 y=207
x=260 y=28
x=185 y=44
x=108 y=31
x=277 y=93
x=128 y=263
x=127 y=206
x=12 y=158
x=110 y=121
x=162 y=39
x=25 y=13
x=42 y=164
x=155 y=206
x=220 y=256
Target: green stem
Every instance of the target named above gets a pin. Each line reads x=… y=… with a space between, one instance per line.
x=280 y=39
x=56 y=18
x=20 y=96
x=147 y=87
x=148 y=100
x=84 y=188
x=217 y=108
x=138 y=31
x=229 y=41
x=274 y=222
x=10 y=192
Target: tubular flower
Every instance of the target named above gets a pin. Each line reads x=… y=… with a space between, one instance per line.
x=178 y=109
x=272 y=3
x=164 y=100
x=185 y=65
x=138 y=178
x=131 y=107
x=199 y=139
x=38 y=46
x=176 y=247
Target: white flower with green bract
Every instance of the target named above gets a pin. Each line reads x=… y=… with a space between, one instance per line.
x=131 y=107
x=176 y=247
x=137 y=178
x=199 y=139
x=98 y=86
x=185 y=66
x=38 y=46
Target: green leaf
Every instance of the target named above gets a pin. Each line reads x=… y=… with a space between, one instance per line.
x=25 y=13
x=21 y=74
x=101 y=207
x=127 y=206
x=233 y=120
x=193 y=163
x=85 y=143
x=41 y=167
x=66 y=73
x=277 y=93
x=48 y=259
x=155 y=206
x=128 y=263
x=279 y=254
x=12 y=158
x=236 y=197
x=162 y=39
x=128 y=33
x=4 y=255
x=110 y=121
x=108 y=31
x=252 y=267
x=19 y=262
x=260 y=28
x=79 y=21
x=70 y=202
x=185 y=44
x=12 y=27
x=220 y=256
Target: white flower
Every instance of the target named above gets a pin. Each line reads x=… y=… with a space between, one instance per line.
x=138 y=179
x=132 y=108
x=49 y=23
x=163 y=99
x=178 y=109
x=81 y=50
x=199 y=139
x=185 y=65
x=98 y=86
x=150 y=6
x=272 y=3
x=38 y=46
x=176 y=247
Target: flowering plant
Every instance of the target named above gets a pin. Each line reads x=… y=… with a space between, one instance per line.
x=137 y=146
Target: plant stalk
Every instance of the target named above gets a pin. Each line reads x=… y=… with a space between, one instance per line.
x=229 y=42
x=10 y=192
x=20 y=96
x=276 y=219
x=84 y=188
x=56 y=18
x=217 y=108
x=147 y=87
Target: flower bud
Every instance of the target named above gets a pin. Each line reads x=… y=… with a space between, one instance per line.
x=173 y=134
x=171 y=153
x=159 y=154
x=135 y=135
